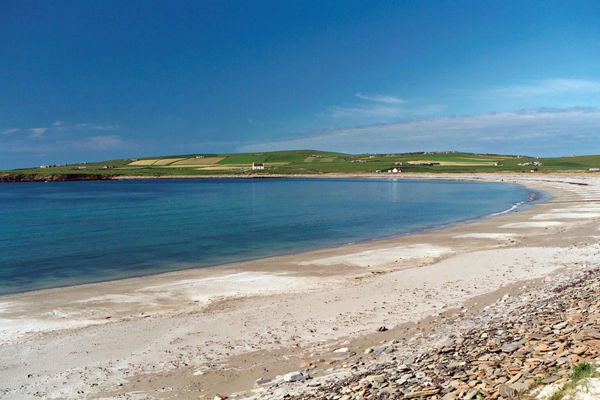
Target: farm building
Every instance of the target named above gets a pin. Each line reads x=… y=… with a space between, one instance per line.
x=258 y=166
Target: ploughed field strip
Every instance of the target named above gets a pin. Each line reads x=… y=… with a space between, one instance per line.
x=513 y=349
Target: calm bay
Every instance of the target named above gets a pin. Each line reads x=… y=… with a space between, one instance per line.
x=65 y=233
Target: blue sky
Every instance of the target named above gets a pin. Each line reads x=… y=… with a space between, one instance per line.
x=95 y=80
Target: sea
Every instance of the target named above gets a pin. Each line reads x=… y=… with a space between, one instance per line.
x=58 y=234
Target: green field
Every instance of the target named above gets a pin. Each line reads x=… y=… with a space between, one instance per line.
x=320 y=162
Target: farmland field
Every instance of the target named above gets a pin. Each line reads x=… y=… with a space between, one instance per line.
x=198 y=161
x=465 y=162
x=142 y=162
x=313 y=162
x=167 y=161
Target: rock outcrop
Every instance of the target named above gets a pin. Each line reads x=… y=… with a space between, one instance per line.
x=51 y=177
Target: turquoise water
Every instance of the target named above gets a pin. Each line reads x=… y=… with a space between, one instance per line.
x=64 y=233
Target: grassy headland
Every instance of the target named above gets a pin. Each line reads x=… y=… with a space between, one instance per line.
x=311 y=162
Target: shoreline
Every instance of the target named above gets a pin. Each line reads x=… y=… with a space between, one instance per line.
x=525 y=344
x=535 y=197
x=10 y=177
x=281 y=309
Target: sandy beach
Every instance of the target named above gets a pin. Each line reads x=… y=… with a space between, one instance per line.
x=198 y=332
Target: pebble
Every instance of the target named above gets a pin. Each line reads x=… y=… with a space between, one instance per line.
x=293 y=376
x=342 y=350
x=499 y=353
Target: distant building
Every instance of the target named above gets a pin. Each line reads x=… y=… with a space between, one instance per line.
x=535 y=163
x=258 y=166
x=593 y=169
x=44 y=166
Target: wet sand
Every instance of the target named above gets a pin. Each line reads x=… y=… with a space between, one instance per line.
x=198 y=332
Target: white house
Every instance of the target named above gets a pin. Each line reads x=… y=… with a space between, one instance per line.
x=258 y=166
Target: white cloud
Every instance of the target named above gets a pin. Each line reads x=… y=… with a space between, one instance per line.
x=37 y=132
x=61 y=126
x=83 y=126
x=380 y=98
x=386 y=107
x=539 y=131
x=365 y=111
x=102 y=142
x=94 y=127
x=547 y=87
x=93 y=143
x=378 y=107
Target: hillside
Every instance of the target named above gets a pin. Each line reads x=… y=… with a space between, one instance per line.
x=309 y=162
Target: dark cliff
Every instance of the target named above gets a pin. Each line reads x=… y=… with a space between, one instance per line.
x=51 y=177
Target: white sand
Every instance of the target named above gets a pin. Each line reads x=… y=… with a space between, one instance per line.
x=375 y=258
x=199 y=291
x=104 y=334
x=580 y=209
x=11 y=328
x=567 y=215
x=486 y=235
x=206 y=289
x=528 y=224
